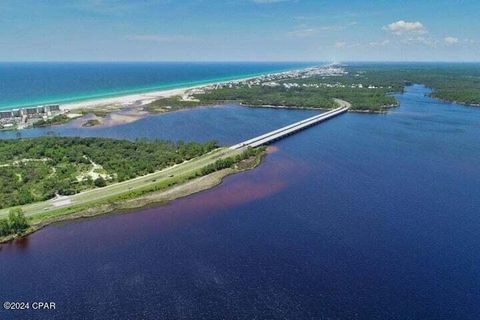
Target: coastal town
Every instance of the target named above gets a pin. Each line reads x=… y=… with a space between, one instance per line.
x=275 y=80
x=24 y=117
x=272 y=80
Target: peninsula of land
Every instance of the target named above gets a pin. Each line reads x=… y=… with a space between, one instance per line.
x=49 y=179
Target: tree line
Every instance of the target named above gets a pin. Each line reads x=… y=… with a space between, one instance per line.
x=452 y=82
x=230 y=161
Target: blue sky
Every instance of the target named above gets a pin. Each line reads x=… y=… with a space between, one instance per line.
x=239 y=30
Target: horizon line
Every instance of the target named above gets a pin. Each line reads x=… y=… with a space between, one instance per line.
x=239 y=61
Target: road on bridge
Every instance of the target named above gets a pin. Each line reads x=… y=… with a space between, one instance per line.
x=292 y=128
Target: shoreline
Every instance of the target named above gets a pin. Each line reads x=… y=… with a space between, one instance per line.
x=159 y=197
x=341 y=102
x=141 y=97
x=134 y=103
x=185 y=85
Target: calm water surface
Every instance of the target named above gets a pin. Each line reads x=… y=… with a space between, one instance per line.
x=361 y=217
x=226 y=124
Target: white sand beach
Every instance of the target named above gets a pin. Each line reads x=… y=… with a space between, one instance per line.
x=125 y=101
x=140 y=99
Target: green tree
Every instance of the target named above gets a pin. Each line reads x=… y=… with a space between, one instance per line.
x=17 y=220
x=4 y=227
x=100 y=182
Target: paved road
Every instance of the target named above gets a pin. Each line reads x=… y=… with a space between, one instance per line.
x=293 y=128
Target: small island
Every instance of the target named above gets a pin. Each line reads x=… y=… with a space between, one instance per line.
x=91 y=123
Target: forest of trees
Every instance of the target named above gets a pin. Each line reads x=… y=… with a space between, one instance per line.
x=301 y=96
x=39 y=168
x=263 y=95
x=452 y=82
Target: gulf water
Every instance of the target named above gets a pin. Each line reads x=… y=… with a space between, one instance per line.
x=27 y=84
x=360 y=217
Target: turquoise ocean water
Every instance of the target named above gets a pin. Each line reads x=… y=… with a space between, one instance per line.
x=27 y=84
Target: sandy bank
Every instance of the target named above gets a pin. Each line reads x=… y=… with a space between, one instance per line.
x=140 y=99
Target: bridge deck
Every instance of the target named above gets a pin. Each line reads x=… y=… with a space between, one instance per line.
x=290 y=129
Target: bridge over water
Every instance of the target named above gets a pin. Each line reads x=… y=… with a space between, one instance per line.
x=291 y=129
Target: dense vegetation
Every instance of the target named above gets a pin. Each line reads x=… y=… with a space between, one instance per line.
x=40 y=168
x=170 y=104
x=91 y=123
x=310 y=93
x=362 y=92
x=452 y=82
x=308 y=96
x=277 y=96
x=230 y=161
x=366 y=87
x=59 y=119
x=16 y=223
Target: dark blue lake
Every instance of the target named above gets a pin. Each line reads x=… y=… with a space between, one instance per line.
x=227 y=124
x=361 y=217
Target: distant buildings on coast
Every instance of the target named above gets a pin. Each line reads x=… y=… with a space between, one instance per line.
x=31 y=111
x=270 y=79
x=27 y=115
